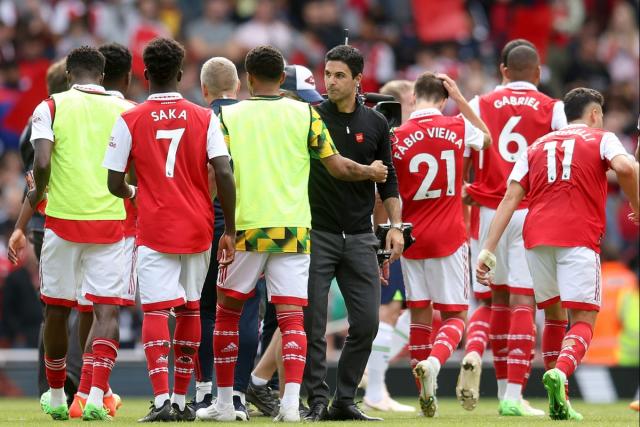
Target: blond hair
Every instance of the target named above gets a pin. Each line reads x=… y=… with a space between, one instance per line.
x=57 y=77
x=397 y=88
x=219 y=75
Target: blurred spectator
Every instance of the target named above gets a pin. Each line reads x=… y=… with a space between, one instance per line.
x=619 y=45
x=265 y=28
x=211 y=35
x=147 y=28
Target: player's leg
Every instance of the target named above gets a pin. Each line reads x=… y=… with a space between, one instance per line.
x=259 y=393
x=236 y=284
x=448 y=285
x=85 y=320
x=478 y=328
x=59 y=290
x=287 y=276
x=103 y=285
x=158 y=280
x=579 y=282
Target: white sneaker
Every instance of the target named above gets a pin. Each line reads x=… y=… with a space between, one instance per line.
x=530 y=410
x=215 y=412
x=289 y=414
x=425 y=372
x=468 y=387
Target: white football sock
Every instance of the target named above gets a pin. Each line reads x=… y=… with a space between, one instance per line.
x=513 y=391
x=225 y=396
x=291 y=395
x=378 y=362
x=159 y=400
x=258 y=381
x=96 y=396
x=202 y=388
x=502 y=387
x=180 y=399
x=241 y=395
x=57 y=397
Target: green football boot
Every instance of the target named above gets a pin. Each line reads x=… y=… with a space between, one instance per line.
x=512 y=408
x=93 y=413
x=59 y=413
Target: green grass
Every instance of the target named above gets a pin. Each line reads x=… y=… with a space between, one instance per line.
x=27 y=412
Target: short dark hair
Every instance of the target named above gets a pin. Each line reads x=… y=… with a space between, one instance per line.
x=117 y=61
x=576 y=100
x=429 y=87
x=512 y=44
x=265 y=62
x=85 y=60
x=522 y=63
x=163 y=59
x=349 y=55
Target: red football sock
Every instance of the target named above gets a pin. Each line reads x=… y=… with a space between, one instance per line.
x=155 y=340
x=574 y=346
x=478 y=330
x=225 y=344
x=186 y=340
x=56 y=371
x=105 y=352
x=447 y=340
x=520 y=342
x=294 y=344
x=552 y=336
x=498 y=334
x=86 y=373
x=419 y=343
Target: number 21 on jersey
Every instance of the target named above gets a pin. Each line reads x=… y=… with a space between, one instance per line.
x=432 y=171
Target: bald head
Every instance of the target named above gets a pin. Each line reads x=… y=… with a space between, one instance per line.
x=523 y=64
x=219 y=77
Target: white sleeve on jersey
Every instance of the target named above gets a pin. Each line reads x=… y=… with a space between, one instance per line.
x=216 y=146
x=475 y=106
x=559 y=119
x=520 y=169
x=41 y=123
x=117 y=156
x=610 y=147
x=473 y=137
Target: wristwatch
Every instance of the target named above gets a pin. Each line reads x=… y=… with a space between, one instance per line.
x=397 y=226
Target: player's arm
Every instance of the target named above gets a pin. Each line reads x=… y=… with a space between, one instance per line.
x=627 y=174
x=465 y=109
x=116 y=160
x=18 y=239
x=118 y=185
x=347 y=170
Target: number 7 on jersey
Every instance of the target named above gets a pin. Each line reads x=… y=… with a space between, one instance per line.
x=175 y=135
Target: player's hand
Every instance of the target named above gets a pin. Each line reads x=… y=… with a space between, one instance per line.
x=31 y=183
x=451 y=87
x=486 y=263
x=384 y=273
x=17 y=243
x=395 y=244
x=226 y=249
x=634 y=217
x=466 y=197
x=378 y=171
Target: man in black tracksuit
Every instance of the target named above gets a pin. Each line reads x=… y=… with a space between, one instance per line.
x=343 y=243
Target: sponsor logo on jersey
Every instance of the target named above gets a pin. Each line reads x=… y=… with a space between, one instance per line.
x=359 y=137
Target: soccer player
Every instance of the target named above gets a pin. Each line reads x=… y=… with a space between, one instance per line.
x=271 y=139
x=82 y=253
x=478 y=326
x=393 y=333
x=516 y=115
x=564 y=176
x=170 y=140
x=117 y=76
x=428 y=155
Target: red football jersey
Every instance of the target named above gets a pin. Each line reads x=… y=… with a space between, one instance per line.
x=516 y=116
x=564 y=175
x=428 y=152
x=169 y=145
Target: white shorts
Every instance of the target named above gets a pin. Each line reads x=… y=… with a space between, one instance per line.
x=77 y=274
x=287 y=276
x=569 y=275
x=480 y=291
x=443 y=281
x=171 y=280
x=130 y=275
x=512 y=272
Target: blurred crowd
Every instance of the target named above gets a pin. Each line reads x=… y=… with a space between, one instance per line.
x=592 y=43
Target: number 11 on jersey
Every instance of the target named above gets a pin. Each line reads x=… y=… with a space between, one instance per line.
x=550 y=148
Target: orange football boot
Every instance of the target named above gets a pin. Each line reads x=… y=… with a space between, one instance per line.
x=112 y=403
x=75 y=411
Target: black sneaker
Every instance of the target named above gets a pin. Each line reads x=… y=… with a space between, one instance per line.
x=205 y=403
x=164 y=413
x=188 y=414
x=261 y=398
x=304 y=409
x=241 y=411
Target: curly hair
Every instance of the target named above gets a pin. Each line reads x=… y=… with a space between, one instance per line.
x=163 y=59
x=85 y=59
x=349 y=55
x=117 y=61
x=265 y=62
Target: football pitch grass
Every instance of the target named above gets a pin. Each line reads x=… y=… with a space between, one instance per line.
x=26 y=412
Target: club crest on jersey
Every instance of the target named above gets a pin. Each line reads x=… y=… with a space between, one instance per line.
x=359 y=137
x=168 y=115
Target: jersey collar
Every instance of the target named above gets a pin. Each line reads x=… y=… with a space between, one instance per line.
x=91 y=88
x=165 y=96
x=521 y=86
x=425 y=112
x=116 y=93
x=575 y=125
